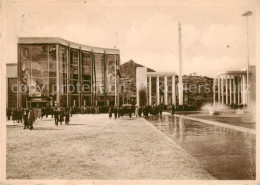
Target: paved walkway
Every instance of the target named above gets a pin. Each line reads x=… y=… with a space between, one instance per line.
x=96 y=147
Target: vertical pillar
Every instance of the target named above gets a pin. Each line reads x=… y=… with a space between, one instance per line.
x=173 y=91
x=234 y=90
x=115 y=81
x=214 y=94
x=230 y=90
x=226 y=90
x=57 y=75
x=222 y=91
x=238 y=89
x=244 y=90
x=157 y=91
x=218 y=90
x=80 y=77
x=68 y=75
x=180 y=88
x=150 y=90
x=165 y=91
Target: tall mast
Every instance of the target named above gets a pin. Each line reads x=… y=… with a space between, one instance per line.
x=180 y=68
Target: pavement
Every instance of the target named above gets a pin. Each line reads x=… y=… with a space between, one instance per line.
x=96 y=147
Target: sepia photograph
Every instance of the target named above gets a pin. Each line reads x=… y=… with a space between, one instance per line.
x=128 y=90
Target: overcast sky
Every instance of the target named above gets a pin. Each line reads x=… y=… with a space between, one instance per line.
x=214 y=34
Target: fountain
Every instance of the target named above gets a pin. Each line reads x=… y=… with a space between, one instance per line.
x=214 y=110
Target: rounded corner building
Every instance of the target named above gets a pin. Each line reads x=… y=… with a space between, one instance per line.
x=52 y=71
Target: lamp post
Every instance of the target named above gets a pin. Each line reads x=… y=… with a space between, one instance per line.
x=247 y=14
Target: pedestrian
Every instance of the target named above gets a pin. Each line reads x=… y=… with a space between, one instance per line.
x=115 y=111
x=56 y=116
x=61 y=116
x=25 y=119
x=110 y=112
x=31 y=117
x=140 y=111
x=136 y=111
x=67 y=117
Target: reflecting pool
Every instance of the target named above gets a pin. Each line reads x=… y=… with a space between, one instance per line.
x=224 y=152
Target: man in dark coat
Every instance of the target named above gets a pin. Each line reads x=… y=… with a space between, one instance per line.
x=110 y=112
x=56 y=116
x=61 y=116
x=25 y=119
x=115 y=111
x=31 y=118
x=67 y=116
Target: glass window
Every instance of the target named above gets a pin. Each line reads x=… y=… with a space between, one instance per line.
x=86 y=87
x=63 y=54
x=52 y=86
x=86 y=66
x=111 y=64
x=25 y=53
x=52 y=53
x=39 y=53
x=63 y=85
x=52 y=69
x=39 y=69
x=74 y=71
x=86 y=73
x=63 y=100
x=25 y=70
x=86 y=59
x=99 y=88
x=39 y=86
x=73 y=87
x=74 y=100
x=63 y=69
x=86 y=100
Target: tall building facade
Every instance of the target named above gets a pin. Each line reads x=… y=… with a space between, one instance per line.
x=53 y=71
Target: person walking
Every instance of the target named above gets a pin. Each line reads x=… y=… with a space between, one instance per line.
x=67 y=116
x=56 y=116
x=115 y=111
x=61 y=116
x=25 y=119
x=31 y=118
x=110 y=112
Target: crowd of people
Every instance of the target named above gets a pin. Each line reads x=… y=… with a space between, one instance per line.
x=137 y=110
x=28 y=116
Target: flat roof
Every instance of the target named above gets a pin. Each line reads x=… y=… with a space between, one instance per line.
x=58 y=40
x=153 y=74
x=231 y=73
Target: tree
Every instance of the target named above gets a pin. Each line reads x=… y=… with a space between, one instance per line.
x=142 y=97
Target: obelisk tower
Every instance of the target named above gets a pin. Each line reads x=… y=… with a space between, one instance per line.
x=180 y=84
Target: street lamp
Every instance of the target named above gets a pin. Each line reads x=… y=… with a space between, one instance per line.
x=247 y=14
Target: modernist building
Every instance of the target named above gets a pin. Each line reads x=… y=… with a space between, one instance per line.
x=53 y=71
x=231 y=87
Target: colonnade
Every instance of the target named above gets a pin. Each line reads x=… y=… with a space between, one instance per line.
x=231 y=89
x=158 y=89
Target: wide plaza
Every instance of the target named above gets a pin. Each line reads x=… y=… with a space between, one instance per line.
x=96 y=147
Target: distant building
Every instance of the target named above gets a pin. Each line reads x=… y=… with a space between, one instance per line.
x=231 y=87
x=162 y=88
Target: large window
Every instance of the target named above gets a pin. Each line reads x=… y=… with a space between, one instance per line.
x=86 y=74
x=38 y=69
x=63 y=52
x=111 y=74
x=12 y=92
x=99 y=71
